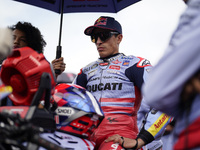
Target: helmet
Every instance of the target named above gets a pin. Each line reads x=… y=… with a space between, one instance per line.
x=78 y=112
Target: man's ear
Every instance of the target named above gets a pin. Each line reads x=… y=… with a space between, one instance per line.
x=119 y=38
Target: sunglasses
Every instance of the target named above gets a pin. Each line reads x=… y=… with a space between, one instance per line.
x=103 y=36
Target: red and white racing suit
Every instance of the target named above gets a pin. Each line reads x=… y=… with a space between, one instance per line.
x=116 y=83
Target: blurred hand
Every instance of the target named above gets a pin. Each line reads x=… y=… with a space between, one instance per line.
x=58 y=64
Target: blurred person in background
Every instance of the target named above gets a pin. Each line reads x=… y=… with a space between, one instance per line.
x=174 y=84
x=25 y=34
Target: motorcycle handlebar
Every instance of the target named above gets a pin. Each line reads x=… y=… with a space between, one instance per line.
x=15 y=131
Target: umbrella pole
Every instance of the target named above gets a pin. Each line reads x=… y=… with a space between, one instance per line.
x=59 y=47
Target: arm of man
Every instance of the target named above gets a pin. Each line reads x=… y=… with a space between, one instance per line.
x=81 y=79
x=153 y=128
x=155 y=121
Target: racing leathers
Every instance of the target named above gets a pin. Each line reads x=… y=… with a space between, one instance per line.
x=116 y=83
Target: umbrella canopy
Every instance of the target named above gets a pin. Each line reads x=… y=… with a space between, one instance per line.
x=72 y=6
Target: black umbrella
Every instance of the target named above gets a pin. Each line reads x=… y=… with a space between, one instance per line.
x=72 y=6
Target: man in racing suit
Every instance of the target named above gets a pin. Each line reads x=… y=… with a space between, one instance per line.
x=116 y=80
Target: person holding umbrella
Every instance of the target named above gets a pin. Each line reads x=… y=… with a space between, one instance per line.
x=116 y=80
x=25 y=34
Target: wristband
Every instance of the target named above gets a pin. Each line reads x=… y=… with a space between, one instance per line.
x=122 y=142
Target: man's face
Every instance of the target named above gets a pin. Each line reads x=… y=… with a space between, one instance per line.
x=109 y=46
x=19 y=39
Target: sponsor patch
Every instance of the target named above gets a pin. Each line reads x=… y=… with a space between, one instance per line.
x=94 y=66
x=104 y=64
x=127 y=57
x=93 y=79
x=158 y=124
x=86 y=69
x=101 y=21
x=116 y=62
x=91 y=73
x=113 y=71
x=114 y=67
x=65 y=111
x=126 y=63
